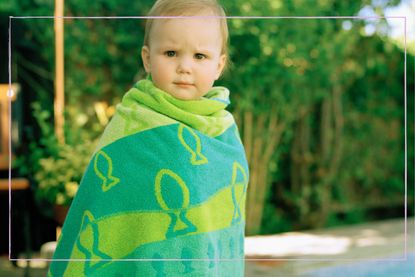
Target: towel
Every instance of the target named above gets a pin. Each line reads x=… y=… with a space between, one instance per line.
x=163 y=194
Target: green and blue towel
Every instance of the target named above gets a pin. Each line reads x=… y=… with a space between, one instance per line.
x=164 y=193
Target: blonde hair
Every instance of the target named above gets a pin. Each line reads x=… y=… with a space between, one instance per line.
x=188 y=8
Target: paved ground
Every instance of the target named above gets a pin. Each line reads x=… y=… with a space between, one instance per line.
x=316 y=252
x=326 y=252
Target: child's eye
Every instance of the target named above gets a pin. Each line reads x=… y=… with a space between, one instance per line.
x=199 y=56
x=170 y=53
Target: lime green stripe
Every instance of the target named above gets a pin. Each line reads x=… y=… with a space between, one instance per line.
x=111 y=228
x=130 y=120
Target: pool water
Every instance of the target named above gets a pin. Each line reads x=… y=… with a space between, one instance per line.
x=383 y=268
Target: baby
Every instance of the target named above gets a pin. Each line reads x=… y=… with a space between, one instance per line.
x=185 y=55
x=165 y=190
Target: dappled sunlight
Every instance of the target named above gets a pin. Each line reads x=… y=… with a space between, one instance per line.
x=297 y=244
x=294 y=244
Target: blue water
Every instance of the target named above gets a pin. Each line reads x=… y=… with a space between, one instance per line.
x=384 y=268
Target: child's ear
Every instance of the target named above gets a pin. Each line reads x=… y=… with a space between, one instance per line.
x=221 y=65
x=145 y=56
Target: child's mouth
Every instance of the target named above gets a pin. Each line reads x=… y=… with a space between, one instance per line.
x=184 y=85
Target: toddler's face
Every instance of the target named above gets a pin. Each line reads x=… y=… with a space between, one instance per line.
x=184 y=57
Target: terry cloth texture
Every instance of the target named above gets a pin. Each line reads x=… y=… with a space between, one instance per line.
x=164 y=193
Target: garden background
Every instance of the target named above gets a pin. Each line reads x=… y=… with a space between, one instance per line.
x=319 y=103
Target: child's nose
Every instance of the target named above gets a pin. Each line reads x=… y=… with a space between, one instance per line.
x=184 y=65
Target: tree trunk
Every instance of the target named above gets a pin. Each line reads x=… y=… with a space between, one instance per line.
x=330 y=153
x=337 y=146
x=261 y=136
x=301 y=159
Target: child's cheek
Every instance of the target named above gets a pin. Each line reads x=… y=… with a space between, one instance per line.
x=162 y=76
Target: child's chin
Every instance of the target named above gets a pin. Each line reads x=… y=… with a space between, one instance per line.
x=185 y=95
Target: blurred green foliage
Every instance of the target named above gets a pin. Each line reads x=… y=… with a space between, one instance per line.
x=338 y=94
x=55 y=168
